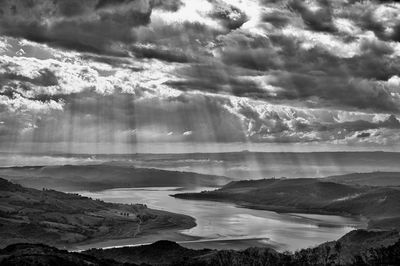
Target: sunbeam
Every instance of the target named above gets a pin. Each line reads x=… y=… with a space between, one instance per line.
x=199 y=132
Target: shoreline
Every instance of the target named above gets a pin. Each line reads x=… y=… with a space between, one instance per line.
x=151 y=232
x=145 y=238
x=186 y=241
x=198 y=242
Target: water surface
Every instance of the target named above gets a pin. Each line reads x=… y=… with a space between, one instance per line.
x=225 y=221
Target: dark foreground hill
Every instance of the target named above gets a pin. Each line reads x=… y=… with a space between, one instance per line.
x=39 y=254
x=105 y=176
x=358 y=247
x=47 y=216
x=379 y=204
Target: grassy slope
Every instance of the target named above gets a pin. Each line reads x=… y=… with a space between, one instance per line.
x=105 y=176
x=379 y=204
x=51 y=217
x=379 y=179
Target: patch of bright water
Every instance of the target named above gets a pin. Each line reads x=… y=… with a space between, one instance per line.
x=223 y=221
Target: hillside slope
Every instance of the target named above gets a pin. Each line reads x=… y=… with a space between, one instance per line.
x=105 y=176
x=379 y=204
x=378 y=179
x=47 y=216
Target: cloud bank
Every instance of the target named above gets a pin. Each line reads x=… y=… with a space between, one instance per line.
x=131 y=71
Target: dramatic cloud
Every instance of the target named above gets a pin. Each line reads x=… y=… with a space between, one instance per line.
x=93 y=25
x=317 y=17
x=132 y=71
x=230 y=16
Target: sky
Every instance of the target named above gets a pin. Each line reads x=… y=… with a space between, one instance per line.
x=115 y=75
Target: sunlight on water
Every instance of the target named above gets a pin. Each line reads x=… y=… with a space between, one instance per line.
x=224 y=221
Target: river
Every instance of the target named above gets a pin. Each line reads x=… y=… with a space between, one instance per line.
x=225 y=225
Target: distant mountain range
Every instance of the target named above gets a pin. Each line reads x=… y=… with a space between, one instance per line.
x=379 y=204
x=105 y=176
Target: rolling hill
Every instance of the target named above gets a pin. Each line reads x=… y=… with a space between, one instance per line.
x=377 y=179
x=380 y=205
x=105 y=176
x=47 y=216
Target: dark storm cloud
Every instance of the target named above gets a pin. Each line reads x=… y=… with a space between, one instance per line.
x=90 y=25
x=168 y=5
x=267 y=2
x=322 y=75
x=314 y=76
x=278 y=19
x=376 y=48
x=228 y=70
x=216 y=78
x=168 y=55
x=396 y=33
x=364 y=135
x=248 y=51
x=180 y=42
x=45 y=78
x=363 y=14
x=320 y=20
x=368 y=22
x=334 y=91
x=185 y=34
x=310 y=89
x=374 y=61
x=110 y=60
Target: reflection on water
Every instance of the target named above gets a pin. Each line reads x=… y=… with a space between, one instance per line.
x=223 y=221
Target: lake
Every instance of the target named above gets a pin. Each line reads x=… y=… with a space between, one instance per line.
x=225 y=225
